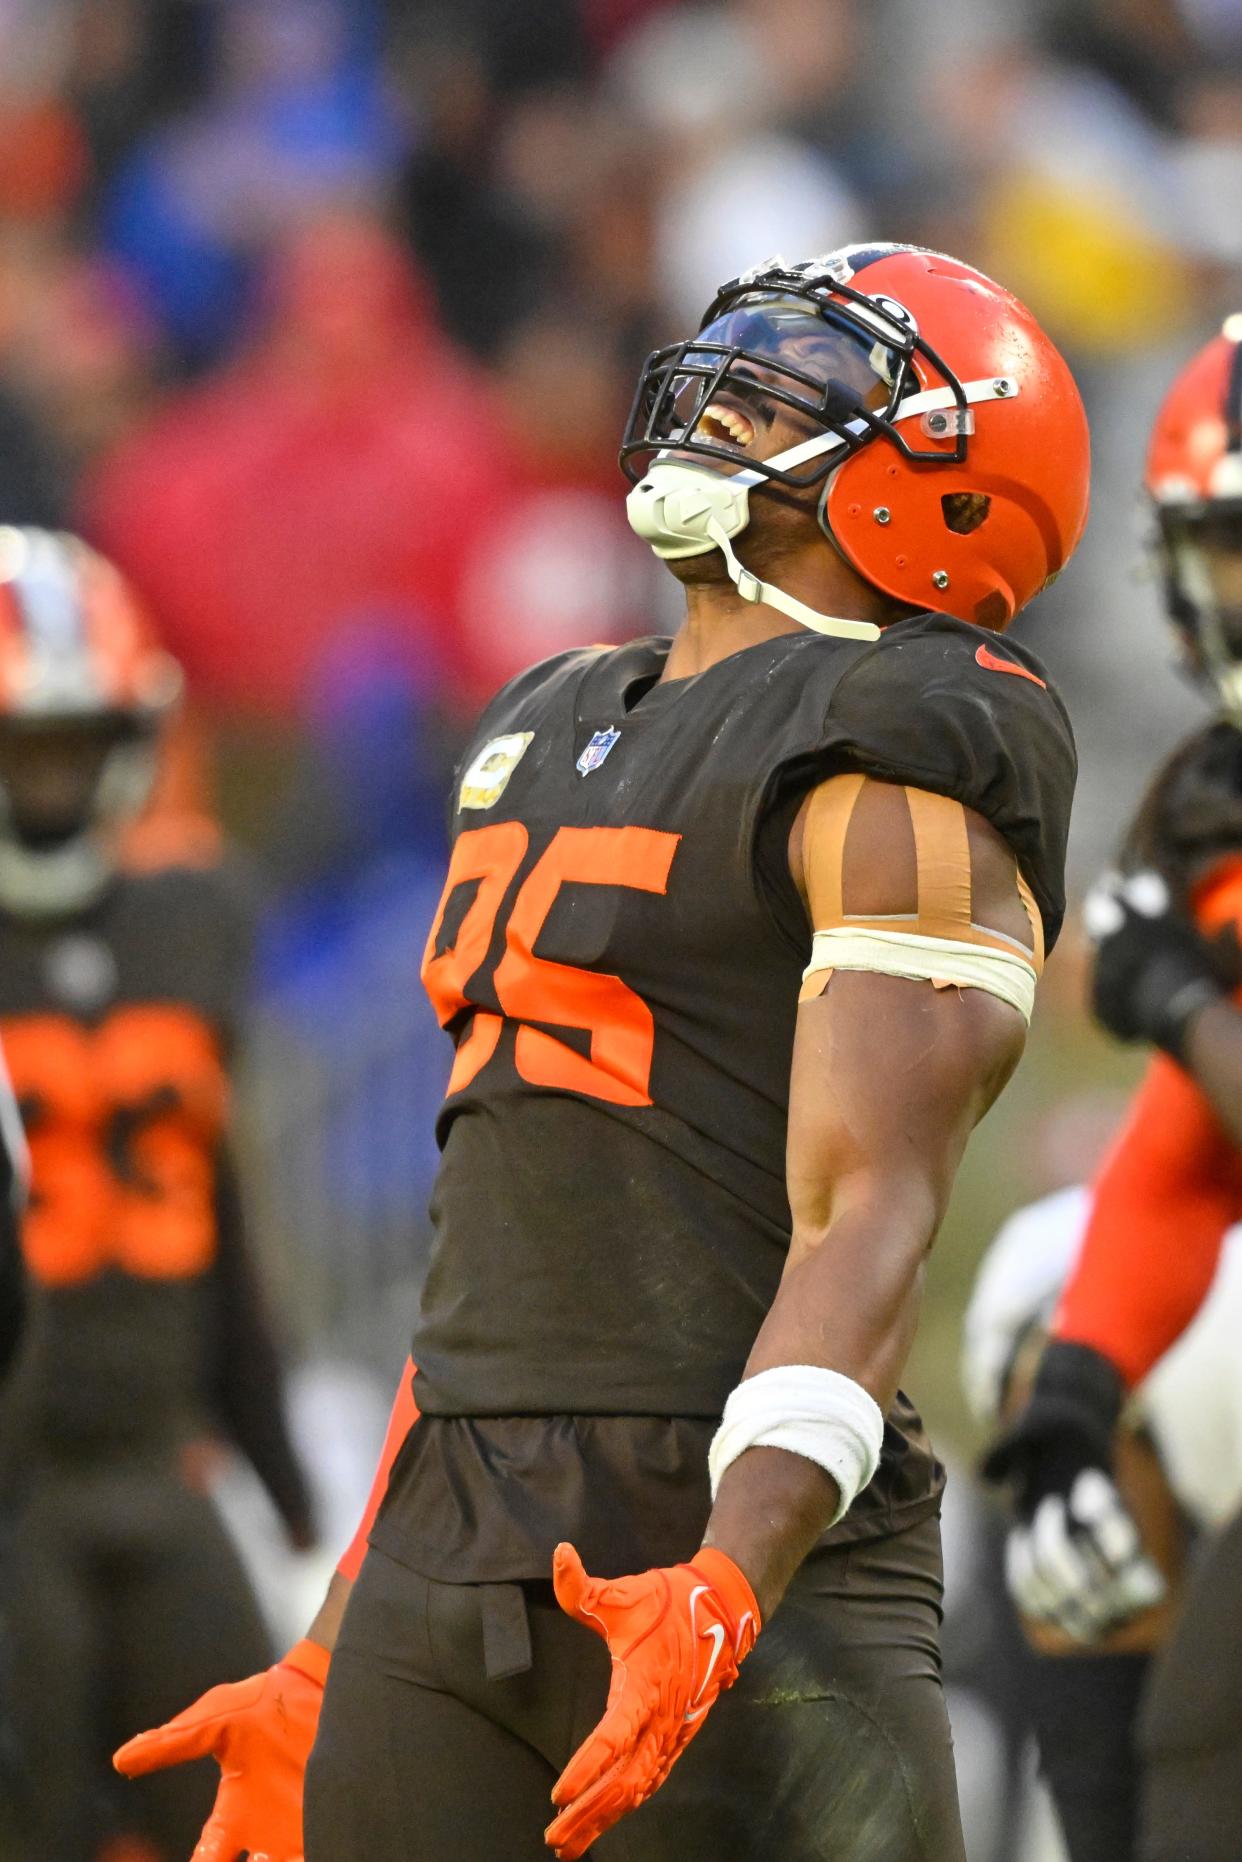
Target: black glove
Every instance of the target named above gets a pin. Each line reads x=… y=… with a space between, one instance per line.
x=1153 y=971
x=1067 y=1425
x=1075 y=1559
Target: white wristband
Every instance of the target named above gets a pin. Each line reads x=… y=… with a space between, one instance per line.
x=810 y=1411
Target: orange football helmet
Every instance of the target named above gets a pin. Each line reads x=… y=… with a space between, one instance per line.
x=952 y=441
x=74 y=641
x=84 y=690
x=1194 y=480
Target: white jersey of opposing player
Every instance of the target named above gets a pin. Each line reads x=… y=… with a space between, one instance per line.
x=1192 y=1401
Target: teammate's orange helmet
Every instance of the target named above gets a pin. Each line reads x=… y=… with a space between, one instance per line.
x=952 y=439
x=1194 y=479
x=84 y=688
x=74 y=641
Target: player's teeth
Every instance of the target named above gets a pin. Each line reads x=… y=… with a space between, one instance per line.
x=734 y=424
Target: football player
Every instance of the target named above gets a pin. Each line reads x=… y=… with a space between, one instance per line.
x=119 y=997
x=1177 y=1461
x=1167 y=930
x=739 y=938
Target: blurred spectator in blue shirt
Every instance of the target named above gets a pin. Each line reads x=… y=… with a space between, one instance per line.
x=297 y=115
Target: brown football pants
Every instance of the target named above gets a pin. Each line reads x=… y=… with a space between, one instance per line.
x=1190 y=1733
x=126 y=1599
x=833 y=1746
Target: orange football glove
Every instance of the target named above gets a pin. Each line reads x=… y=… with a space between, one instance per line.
x=260 y=1732
x=676 y=1637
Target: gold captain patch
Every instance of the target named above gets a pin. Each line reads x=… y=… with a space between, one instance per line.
x=488 y=775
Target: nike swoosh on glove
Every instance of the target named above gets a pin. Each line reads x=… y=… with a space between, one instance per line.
x=260 y=1732
x=676 y=1636
x=1076 y=1558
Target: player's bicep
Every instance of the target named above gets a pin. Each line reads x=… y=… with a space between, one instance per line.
x=889 y=1078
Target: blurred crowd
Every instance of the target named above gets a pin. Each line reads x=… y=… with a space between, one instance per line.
x=321 y=315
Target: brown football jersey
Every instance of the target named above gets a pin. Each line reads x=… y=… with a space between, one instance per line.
x=617 y=958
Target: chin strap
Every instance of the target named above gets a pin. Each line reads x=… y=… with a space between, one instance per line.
x=751 y=588
x=53 y=883
x=685 y=510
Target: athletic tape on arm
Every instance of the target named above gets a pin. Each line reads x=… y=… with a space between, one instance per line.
x=940 y=942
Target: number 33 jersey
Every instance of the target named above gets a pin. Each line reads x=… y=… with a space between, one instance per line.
x=116 y=1028
x=617 y=957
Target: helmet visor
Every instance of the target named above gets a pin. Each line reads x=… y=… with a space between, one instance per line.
x=1203 y=554
x=764 y=376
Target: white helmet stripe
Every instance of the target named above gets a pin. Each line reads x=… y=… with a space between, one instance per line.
x=47 y=595
x=992 y=388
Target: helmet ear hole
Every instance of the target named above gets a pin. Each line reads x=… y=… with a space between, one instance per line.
x=964 y=511
x=993 y=612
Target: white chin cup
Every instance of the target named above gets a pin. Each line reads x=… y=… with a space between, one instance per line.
x=54 y=883
x=1226 y=675
x=673 y=505
x=686 y=510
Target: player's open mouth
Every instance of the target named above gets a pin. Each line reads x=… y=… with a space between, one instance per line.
x=724 y=426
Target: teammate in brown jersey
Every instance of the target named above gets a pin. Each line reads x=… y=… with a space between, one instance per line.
x=739 y=940
x=120 y=989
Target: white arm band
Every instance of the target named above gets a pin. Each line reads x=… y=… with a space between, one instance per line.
x=939 y=960
x=810 y=1411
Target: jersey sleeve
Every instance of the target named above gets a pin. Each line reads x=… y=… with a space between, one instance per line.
x=1165 y=1198
x=1163 y=1201
x=245 y=1374
x=954 y=710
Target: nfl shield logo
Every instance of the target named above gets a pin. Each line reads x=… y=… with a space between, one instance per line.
x=597 y=750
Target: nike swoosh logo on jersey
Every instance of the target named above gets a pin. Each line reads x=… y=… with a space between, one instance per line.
x=714 y=1630
x=990 y=663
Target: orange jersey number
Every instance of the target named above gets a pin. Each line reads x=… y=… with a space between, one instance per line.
x=534 y=989
x=122 y=1122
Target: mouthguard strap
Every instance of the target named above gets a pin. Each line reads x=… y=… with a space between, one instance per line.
x=751 y=588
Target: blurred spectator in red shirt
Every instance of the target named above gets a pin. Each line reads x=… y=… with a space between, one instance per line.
x=339 y=469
